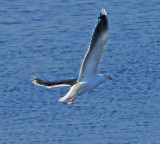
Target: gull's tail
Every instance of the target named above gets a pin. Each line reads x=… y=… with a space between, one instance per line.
x=71 y=93
x=56 y=83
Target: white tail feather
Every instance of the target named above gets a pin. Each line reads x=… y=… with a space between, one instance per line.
x=72 y=92
x=62 y=99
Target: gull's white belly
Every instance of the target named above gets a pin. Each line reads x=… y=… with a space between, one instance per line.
x=87 y=86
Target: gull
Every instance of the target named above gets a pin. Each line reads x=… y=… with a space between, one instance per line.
x=88 y=79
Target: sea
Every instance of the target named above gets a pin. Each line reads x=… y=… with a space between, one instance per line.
x=48 y=39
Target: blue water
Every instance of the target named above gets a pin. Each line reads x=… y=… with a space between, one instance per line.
x=48 y=39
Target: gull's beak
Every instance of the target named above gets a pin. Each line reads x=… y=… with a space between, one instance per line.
x=110 y=78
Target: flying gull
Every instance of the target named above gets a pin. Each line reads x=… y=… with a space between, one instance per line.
x=87 y=79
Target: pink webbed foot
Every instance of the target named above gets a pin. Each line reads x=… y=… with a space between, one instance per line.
x=72 y=100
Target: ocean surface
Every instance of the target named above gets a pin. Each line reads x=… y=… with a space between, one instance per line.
x=48 y=39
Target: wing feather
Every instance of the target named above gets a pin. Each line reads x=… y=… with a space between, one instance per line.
x=57 y=83
x=96 y=47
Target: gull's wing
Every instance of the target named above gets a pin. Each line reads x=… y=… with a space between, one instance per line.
x=96 y=47
x=57 y=83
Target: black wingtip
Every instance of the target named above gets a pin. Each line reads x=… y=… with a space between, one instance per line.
x=103 y=14
x=34 y=80
x=69 y=82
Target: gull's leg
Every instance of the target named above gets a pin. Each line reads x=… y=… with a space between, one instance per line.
x=72 y=100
